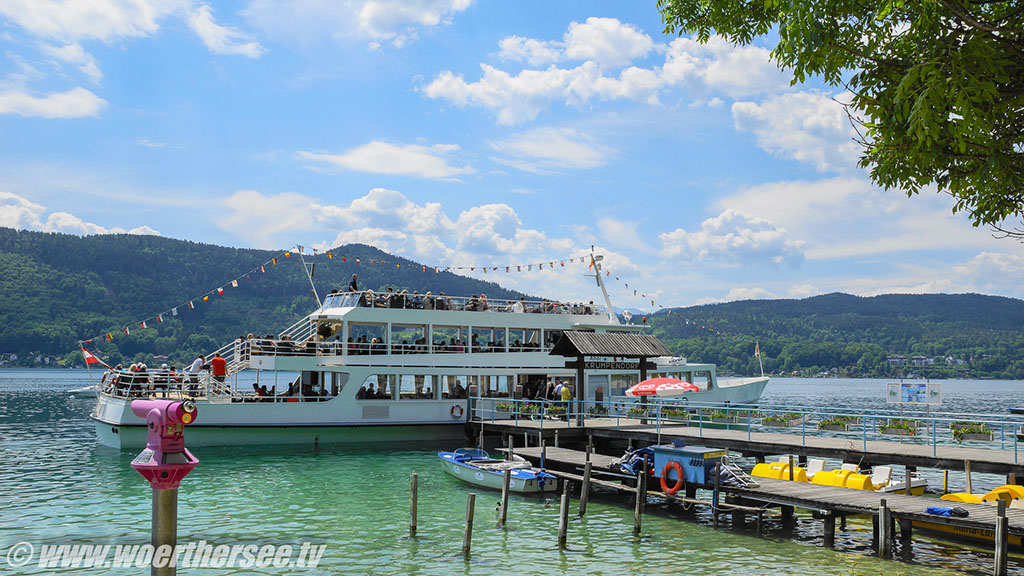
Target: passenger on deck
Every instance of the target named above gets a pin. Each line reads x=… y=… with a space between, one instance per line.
x=471 y=305
x=441 y=303
x=353 y=286
x=416 y=301
x=428 y=301
x=482 y=305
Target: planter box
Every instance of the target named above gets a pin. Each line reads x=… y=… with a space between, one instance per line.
x=982 y=436
x=783 y=423
x=834 y=428
x=896 y=432
x=724 y=419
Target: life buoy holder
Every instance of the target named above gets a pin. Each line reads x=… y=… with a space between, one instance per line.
x=457 y=411
x=672 y=465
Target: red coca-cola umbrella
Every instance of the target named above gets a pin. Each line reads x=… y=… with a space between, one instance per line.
x=661 y=387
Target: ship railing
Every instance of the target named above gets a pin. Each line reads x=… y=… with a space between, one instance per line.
x=369 y=299
x=163 y=383
x=907 y=426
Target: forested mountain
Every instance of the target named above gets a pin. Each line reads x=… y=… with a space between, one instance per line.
x=949 y=334
x=57 y=289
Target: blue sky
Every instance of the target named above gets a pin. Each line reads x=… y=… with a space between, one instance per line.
x=463 y=133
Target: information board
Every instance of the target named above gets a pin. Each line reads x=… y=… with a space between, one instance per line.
x=914 y=393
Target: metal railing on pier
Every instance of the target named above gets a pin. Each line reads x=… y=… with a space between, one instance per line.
x=934 y=429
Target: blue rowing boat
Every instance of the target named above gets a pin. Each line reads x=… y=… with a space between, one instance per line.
x=475 y=466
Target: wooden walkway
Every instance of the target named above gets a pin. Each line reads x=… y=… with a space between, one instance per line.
x=848 y=449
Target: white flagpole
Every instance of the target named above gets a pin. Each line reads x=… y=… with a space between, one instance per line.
x=757 y=347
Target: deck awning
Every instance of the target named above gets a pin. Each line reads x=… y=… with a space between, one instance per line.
x=574 y=343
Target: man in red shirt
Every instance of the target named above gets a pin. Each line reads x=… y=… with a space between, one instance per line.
x=218 y=368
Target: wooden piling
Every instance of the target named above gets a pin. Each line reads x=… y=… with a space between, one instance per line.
x=945 y=482
x=563 y=520
x=638 y=509
x=585 y=489
x=467 y=535
x=906 y=478
x=481 y=438
x=511 y=447
x=830 y=529
x=715 y=492
x=556 y=438
x=414 y=483
x=1001 y=540
x=790 y=467
x=967 y=474
x=1011 y=478
x=884 y=530
x=504 y=497
x=526 y=439
x=590 y=446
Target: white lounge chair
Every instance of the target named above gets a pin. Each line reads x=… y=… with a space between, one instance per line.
x=784 y=459
x=851 y=467
x=814 y=465
x=881 y=476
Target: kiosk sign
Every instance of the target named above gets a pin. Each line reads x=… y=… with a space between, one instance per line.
x=914 y=393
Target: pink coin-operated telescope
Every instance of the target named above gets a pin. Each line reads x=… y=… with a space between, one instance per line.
x=164 y=462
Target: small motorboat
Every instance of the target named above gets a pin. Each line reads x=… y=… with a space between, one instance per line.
x=475 y=466
x=1011 y=494
x=85 y=392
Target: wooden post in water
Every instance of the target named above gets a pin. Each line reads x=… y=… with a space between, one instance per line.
x=967 y=474
x=906 y=529
x=414 y=483
x=526 y=439
x=641 y=497
x=556 y=438
x=906 y=478
x=511 y=447
x=1001 y=539
x=590 y=447
x=830 y=529
x=504 y=496
x=481 y=436
x=945 y=482
x=467 y=535
x=884 y=531
x=585 y=490
x=714 y=494
x=790 y=467
x=563 y=520
x=1011 y=478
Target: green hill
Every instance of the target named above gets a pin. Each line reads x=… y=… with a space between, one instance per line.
x=58 y=289
x=855 y=336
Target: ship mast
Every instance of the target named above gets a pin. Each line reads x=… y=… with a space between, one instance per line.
x=595 y=263
x=308 y=267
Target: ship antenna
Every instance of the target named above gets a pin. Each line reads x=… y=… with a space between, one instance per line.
x=308 y=267
x=595 y=263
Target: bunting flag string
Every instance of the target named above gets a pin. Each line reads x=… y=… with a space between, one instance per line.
x=190 y=304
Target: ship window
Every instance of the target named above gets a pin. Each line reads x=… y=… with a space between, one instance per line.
x=449 y=338
x=408 y=339
x=516 y=339
x=338 y=381
x=532 y=341
x=416 y=386
x=455 y=386
x=488 y=340
x=550 y=337
x=495 y=386
x=377 y=387
x=366 y=338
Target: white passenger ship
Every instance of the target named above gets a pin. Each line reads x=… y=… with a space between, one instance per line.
x=365 y=368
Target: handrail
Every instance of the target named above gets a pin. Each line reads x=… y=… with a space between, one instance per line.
x=369 y=299
x=791 y=420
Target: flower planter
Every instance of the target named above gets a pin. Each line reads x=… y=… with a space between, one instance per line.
x=724 y=419
x=782 y=423
x=834 y=428
x=896 y=432
x=975 y=436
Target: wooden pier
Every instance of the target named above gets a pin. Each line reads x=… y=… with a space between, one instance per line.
x=760 y=444
x=825 y=502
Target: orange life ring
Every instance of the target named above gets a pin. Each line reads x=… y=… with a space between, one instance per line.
x=457 y=411
x=672 y=465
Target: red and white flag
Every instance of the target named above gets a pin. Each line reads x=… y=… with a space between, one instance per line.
x=91 y=358
x=757 y=351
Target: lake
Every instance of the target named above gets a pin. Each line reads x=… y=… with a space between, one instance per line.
x=60 y=487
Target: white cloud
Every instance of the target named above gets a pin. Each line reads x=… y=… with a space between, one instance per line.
x=606 y=41
x=74 y=103
x=260 y=218
x=222 y=39
x=74 y=54
x=20 y=213
x=703 y=70
x=739 y=294
x=734 y=238
x=622 y=233
x=803 y=291
x=544 y=150
x=431 y=162
x=807 y=127
x=850 y=217
x=397 y=22
x=533 y=52
x=105 y=20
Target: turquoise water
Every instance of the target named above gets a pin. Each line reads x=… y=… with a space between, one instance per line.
x=58 y=486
